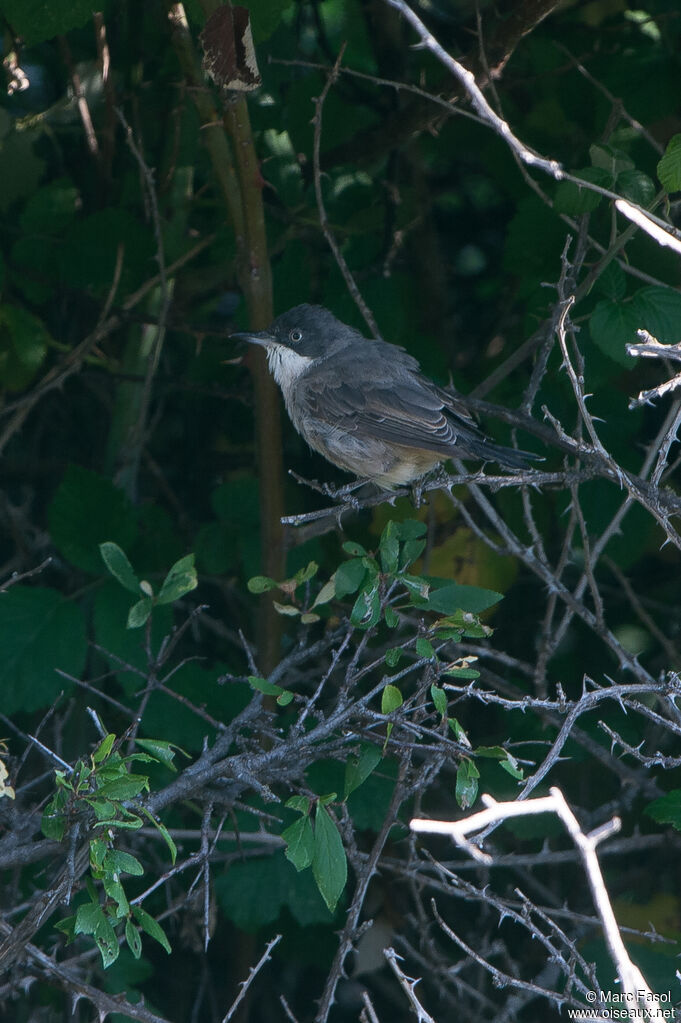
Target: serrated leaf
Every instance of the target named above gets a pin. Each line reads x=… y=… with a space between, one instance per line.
x=612 y=326
x=329 y=863
x=637 y=187
x=575 y=199
x=669 y=167
x=40 y=631
x=86 y=511
x=116 y=560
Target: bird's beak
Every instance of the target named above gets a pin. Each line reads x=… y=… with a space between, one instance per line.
x=255 y=337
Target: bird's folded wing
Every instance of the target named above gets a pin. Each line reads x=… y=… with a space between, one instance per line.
x=408 y=413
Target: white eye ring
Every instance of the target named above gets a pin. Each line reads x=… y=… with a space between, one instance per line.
x=295 y=335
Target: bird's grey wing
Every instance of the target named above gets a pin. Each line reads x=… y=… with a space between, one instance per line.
x=403 y=410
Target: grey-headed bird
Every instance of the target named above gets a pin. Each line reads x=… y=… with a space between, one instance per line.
x=365 y=405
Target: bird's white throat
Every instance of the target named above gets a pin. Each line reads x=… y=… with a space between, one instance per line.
x=286 y=365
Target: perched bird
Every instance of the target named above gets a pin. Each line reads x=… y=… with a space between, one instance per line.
x=365 y=405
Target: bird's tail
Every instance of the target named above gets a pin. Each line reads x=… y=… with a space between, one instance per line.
x=507 y=458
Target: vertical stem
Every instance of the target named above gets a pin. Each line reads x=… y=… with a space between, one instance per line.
x=238 y=175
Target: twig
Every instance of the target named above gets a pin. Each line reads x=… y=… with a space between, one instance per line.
x=245 y=984
x=323 y=219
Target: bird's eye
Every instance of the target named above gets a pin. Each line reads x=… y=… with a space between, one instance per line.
x=296 y=336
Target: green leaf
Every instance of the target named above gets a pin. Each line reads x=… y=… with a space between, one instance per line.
x=467 y=776
x=389 y=549
x=299 y=803
x=116 y=893
x=40 y=631
x=669 y=167
x=439 y=698
x=88 y=917
x=133 y=939
x=24 y=342
x=667 y=809
x=163 y=831
x=454 y=597
x=300 y=843
x=139 y=613
x=36 y=20
x=117 y=862
x=261 y=584
x=392 y=656
x=288 y=610
x=410 y=529
x=150 y=927
x=327 y=592
x=424 y=648
x=329 y=863
x=263 y=686
x=636 y=187
x=181 y=579
x=366 y=610
x=411 y=550
x=658 y=310
x=104 y=749
x=612 y=326
x=612 y=281
x=612 y=160
x=358 y=768
x=307 y=573
x=86 y=511
x=392 y=619
x=355 y=549
x=106 y=941
x=126 y=787
x=161 y=750
x=391 y=699
x=462 y=672
x=116 y=560
x=349 y=577
x=575 y=199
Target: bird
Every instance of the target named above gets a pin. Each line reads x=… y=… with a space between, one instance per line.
x=365 y=405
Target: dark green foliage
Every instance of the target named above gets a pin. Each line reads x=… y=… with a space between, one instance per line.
x=400 y=659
